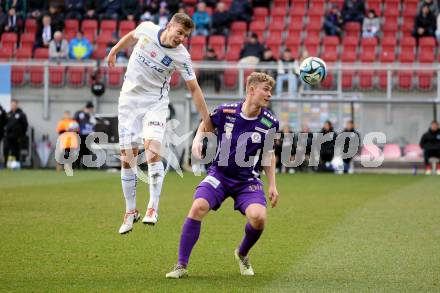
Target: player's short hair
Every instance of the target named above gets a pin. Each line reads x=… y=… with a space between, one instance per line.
x=259 y=77
x=183 y=19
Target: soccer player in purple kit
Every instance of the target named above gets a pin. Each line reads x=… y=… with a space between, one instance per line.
x=243 y=131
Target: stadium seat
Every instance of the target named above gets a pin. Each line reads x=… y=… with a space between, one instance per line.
x=41 y=53
x=108 y=26
x=391 y=5
x=352 y=29
x=238 y=28
x=311 y=44
x=413 y=151
x=405 y=77
x=23 y=53
x=198 y=47
x=71 y=25
x=407 y=44
x=260 y=14
x=327 y=83
x=126 y=26
x=9 y=40
x=114 y=76
x=278 y=14
x=18 y=75
x=368 y=46
x=6 y=54
x=276 y=27
x=348 y=77
x=36 y=76
x=371 y=151
x=274 y=43
x=407 y=27
x=280 y=4
x=259 y=28
x=350 y=44
x=298 y=4
x=389 y=29
x=366 y=79
x=392 y=152
x=218 y=44
x=388 y=45
x=56 y=76
x=90 y=29
x=426 y=54
x=75 y=76
x=30 y=26
x=297 y=11
x=376 y=5
x=235 y=43
x=385 y=57
x=349 y=57
x=27 y=40
x=230 y=78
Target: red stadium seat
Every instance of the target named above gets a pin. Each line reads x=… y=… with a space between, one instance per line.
x=56 y=76
x=9 y=40
x=238 y=28
x=108 y=26
x=218 y=44
x=405 y=77
x=392 y=152
x=413 y=151
x=298 y=4
x=392 y=5
x=41 y=53
x=259 y=28
x=27 y=40
x=278 y=14
x=407 y=27
x=235 y=43
x=198 y=47
x=90 y=29
x=427 y=47
x=376 y=5
x=390 y=28
x=36 y=76
x=230 y=78
x=296 y=11
x=368 y=46
x=368 y=57
x=348 y=79
x=114 y=77
x=311 y=44
x=276 y=27
x=329 y=56
x=71 y=25
x=274 y=42
x=75 y=76
x=350 y=44
x=352 y=29
x=329 y=49
x=371 y=151
x=23 y=53
x=260 y=14
x=126 y=26
x=366 y=79
x=30 y=26
x=6 y=54
x=280 y=3
x=18 y=75
x=349 y=56
x=389 y=45
x=408 y=44
x=327 y=83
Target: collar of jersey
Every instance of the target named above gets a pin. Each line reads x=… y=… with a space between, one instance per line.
x=246 y=117
x=158 y=38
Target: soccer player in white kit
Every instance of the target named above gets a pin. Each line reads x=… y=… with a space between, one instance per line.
x=143 y=104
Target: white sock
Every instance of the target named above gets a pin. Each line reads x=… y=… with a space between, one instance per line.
x=129 y=180
x=155 y=177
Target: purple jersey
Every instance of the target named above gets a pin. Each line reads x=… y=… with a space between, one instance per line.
x=241 y=140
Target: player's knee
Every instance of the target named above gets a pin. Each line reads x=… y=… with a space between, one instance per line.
x=199 y=209
x=152 y=148
x=256 y=216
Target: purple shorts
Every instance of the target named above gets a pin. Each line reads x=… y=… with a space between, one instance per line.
x=215 y=188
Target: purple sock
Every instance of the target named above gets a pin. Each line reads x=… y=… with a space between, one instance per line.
x=251 y=236
x=188 y=238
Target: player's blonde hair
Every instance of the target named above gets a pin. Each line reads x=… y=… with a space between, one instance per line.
x=259 y=77
x=183 y=19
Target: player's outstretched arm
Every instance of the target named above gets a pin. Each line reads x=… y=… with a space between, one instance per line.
x=197 y=144
x=126 y=41
x=270 y=173
x=199 y=101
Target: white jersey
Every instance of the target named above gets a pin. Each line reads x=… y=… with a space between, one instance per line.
x=151 y=64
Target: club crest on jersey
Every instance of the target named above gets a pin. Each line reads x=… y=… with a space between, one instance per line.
x=166 y=60
x=228 y=129
x=153 y=54
x=256 y=137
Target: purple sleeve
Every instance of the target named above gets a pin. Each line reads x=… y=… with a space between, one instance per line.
x=217 y=116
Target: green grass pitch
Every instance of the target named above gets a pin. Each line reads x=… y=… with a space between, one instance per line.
x=357 y=233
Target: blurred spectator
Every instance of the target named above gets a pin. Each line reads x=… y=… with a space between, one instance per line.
x=430 y=143
x=173 y=6
x=15 y=132
x=91 y=9
x=327 y=148
x=131 y=9
x=437 y=31
x=3 y=20
x=18 y=5
x=211 y=3
x=286 y=74
x=74 y=9
x=57 y=18
x=349 y=129
x=67 y=130
x=202 y=20
x=371 y=25
x=425 y=24
x=252 y=51
x=162 y=17
x=221 y=20
x=36 y=8
x=353 y=10
x=13 y=22
x=3 y=120
x=149 y=8
x=58 y=47
x=333 y=21
x=45 y=32
x=109 y=9
x=80 y=48
x=241 y=10
x=269 y=59
x=87 y=122
x=261 y=3
x=432 y=4
x=213 y=75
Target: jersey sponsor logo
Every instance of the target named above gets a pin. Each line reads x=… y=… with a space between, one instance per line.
x=147 y=62
x=256 y=137
x=155 y=123
x=255 y=187
x=166 y=60
x=212 y=180
x=230 y=118
x=153 y=54
x=261 y=130
x=266 y=122
x=229 y=111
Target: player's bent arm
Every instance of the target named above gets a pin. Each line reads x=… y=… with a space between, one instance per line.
x=126 y=41
x=199 y=101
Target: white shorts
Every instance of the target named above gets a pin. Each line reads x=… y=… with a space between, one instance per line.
x=141 y=118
